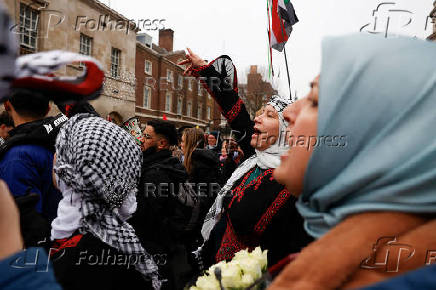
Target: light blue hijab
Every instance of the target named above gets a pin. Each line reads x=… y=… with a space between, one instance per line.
x=381 y=95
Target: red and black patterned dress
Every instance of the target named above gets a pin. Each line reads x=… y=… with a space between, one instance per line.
x=260 y=211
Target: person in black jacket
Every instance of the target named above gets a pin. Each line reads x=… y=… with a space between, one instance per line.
x=164 y=210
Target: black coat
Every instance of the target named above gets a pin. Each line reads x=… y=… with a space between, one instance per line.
x=159 y=210
x=207 y=179
x=161 y=219
x=88 y=263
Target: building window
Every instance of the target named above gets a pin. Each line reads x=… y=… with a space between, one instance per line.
x=168 y=102
x=29 y=20
x=147 y=96
x=115 y=62
x=189 y=109
x=148 y=67
x=200 y=111
x=208 y=112
x=170 y=76
x=190 y=84
x=85 y=45
x=200 y=89
x=180 y=82
x=179 y=105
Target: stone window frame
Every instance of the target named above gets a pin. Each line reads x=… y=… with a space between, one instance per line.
x=170 y=76
x=189 y=109
x=168 y=102
x=179 y=105
x=150 y=70
x=115 y=62
x=147 y=97
x=32 y=17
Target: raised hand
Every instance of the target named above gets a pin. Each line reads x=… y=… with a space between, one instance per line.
x=193 y=61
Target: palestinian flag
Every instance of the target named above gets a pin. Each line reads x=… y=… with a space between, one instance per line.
x=283 y=17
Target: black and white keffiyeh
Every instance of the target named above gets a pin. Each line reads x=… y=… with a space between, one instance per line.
x=269 y=158
x=8 y=53
x=279 y=103
x=102 y=163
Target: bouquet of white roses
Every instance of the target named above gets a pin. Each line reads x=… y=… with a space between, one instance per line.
x=241 y=272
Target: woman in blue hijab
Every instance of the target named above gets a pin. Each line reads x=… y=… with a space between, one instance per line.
x=366 y=173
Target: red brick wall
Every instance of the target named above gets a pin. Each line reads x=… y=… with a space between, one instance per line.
x=166 y=37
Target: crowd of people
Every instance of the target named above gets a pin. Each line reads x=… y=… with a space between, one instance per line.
x=99 y=210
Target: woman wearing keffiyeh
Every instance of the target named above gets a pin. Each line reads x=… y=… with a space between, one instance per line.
x=252 y=209
x=97 y=167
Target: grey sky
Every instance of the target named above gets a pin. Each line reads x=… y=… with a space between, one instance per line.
x=239 y=28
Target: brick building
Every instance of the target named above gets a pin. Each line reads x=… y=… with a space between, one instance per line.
x=88 y=27
x=161 y=88
x=257 y=91
x=433 y=17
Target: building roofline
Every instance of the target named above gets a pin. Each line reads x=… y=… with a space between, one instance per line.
x=143 y=46
x=176 y=52
x=159 y=55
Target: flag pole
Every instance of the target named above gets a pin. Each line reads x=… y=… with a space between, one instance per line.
x=286 y=58
x=271 y=69
x=287 y=70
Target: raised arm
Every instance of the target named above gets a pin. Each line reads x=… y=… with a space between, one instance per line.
x=219 y=78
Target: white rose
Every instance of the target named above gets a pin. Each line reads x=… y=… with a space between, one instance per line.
x=230 y=273
x=246 y=281
x=260 y=257
x=243 y=254
x=251 y=266
x=207 y=283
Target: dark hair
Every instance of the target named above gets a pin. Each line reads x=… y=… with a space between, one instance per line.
x=216 y=134
x=165 y=129
x=6 y=119
x=29 y=104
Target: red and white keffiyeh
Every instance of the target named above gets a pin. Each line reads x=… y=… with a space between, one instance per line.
x=35 y=72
